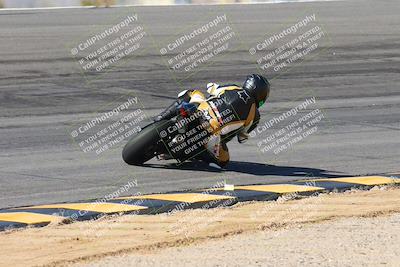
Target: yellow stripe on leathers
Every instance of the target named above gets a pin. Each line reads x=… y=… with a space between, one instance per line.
x=204 y=106
x=197 y=96
x=251 y=116
x=230 y=88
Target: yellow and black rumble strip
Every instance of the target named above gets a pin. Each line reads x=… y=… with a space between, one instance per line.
x=42 y=215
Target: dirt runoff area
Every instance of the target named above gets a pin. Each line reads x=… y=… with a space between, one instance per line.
x=355 y=228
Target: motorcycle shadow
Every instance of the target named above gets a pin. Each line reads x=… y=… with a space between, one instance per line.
x=252 y=168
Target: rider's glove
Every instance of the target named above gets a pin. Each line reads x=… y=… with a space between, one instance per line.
x=185 y=109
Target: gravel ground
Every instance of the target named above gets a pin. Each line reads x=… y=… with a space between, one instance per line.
x=345 y=242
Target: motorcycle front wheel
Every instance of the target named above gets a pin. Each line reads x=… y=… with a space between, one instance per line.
x=145 y=145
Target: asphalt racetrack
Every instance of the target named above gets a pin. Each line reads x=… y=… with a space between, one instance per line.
x=354 y=78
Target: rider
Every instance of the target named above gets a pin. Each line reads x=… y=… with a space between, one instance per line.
x=230 y=110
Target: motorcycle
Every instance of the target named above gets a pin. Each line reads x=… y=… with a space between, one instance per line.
x=183 y=137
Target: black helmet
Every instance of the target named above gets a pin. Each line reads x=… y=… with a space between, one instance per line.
x=258 y=87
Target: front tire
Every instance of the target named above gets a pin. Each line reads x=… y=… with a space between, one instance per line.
x=144 y=145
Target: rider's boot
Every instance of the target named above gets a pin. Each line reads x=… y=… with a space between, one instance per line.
x=167 y=156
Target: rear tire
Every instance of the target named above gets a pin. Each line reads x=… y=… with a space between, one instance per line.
x=144 y=145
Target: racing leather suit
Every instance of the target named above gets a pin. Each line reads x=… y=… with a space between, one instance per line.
x=230 y=111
